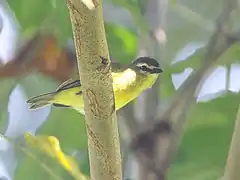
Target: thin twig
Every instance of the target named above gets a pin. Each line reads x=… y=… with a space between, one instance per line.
x=233 y=162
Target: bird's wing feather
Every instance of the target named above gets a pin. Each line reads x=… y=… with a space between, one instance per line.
x=74 y=82
x=117 y=67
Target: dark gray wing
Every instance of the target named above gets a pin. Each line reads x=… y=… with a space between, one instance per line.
x=73 y=82
x=117 y=67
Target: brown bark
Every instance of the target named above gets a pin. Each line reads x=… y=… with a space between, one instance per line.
x=95 y=74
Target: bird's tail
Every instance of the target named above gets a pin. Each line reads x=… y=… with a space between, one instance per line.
x=41 y=100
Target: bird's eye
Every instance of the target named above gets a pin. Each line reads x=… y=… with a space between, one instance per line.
x=144 y=68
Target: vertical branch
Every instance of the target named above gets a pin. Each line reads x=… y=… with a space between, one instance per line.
x=95 y=74
x=233 y=162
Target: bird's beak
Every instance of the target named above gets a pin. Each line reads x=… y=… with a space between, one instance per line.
x=157 y=70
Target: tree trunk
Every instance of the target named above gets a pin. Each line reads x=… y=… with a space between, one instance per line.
x=95 y=74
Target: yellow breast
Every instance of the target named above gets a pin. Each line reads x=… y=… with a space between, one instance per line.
x=127 y=86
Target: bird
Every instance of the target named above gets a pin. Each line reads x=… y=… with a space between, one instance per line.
x=129 y=81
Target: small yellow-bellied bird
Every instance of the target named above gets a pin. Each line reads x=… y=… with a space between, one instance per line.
x=128 y=83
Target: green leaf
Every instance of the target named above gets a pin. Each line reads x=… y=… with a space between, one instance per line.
x=40 y=167
x=62 y=22
x=122 y=42
x=7 y=86
x=205 y=144
x=49 y=15
x=68 y=126
x=167 y=88
x=136 y=8
x=65 y=124
x=31 y=14
x=232 y=55
x=50 y=145
x=37 y=83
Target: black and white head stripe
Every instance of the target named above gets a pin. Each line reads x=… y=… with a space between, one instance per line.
x=147 y=60
x=148 y=65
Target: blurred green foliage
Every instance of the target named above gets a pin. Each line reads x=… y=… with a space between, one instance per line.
x=121 y=42
x=204 y=147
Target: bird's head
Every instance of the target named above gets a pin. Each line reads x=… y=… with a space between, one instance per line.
x=146 y=65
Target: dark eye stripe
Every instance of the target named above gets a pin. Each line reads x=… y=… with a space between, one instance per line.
x=144 y=68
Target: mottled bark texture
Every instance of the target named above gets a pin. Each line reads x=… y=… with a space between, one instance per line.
x=95 y=74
